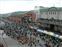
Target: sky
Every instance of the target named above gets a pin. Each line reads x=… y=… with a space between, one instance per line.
x=8 y=6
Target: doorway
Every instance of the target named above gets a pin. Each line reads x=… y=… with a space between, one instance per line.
x=51 y=27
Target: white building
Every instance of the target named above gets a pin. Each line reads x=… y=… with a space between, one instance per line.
x=50 y=17
x=49 y=12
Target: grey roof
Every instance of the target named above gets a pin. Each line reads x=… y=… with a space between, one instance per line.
x=46 y=9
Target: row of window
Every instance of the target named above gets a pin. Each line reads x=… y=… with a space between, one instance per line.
x=54 y=13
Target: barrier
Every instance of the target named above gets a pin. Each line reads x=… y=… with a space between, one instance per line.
x=47 y=32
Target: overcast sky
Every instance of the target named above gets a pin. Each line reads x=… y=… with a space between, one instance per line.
x=7 y=6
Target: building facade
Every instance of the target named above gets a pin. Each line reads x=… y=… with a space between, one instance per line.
x=49 y=12
x=50 y=18
x=18 y=18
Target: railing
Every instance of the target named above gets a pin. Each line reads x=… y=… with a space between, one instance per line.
x=51 y=21
x=46 y=32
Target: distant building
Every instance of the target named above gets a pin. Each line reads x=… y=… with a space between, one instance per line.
x=18 y=18
x=31 y=14
x=14 y=19
x=49 y=12
x=50 y=17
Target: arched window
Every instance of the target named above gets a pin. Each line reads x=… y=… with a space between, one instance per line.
x=49 y=12
x=52 y=10
x=55 y=13
x=52 y=13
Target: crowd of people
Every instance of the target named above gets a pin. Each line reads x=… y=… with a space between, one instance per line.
x=24 y=35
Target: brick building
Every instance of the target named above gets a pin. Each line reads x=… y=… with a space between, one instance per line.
x=31 y=14
x=18 y=18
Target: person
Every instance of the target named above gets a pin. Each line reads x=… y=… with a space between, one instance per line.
x=30 y=44
x=40 y=45
x=47 y=44
x=35 y=45
x=38 y=41
x=59 y=45
x=1 y=45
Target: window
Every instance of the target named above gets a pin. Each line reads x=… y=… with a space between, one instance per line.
x=50 y=13
x=55 y=12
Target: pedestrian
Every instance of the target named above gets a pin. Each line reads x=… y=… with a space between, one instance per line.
x=35 y=45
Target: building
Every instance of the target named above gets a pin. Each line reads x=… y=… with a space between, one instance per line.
x=49 y=12
x=15 y=19
x=18 y=18
x=50 y=17
x=31 y=14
